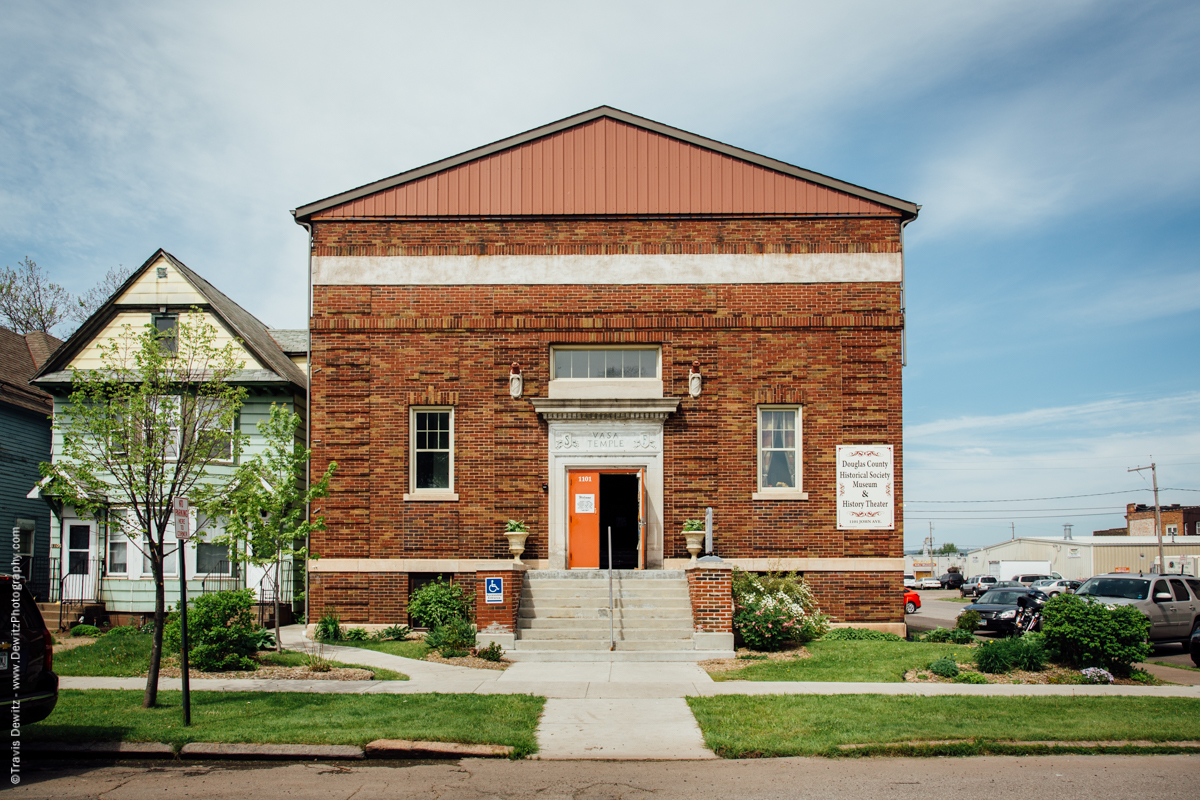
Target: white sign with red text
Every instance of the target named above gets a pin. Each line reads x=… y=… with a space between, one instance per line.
x=865 y=487
x=183 y=528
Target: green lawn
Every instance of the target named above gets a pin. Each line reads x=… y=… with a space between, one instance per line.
x=409 y=649
x=1175 y=666
x=127 y=655
x=740 y=726
x=884 y=662
x=292 y=718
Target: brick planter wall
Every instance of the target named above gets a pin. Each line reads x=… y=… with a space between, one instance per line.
x=498 y=617
x=711 y=593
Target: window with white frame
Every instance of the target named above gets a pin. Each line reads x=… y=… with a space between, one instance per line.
x=431 y=464
x=170 y=556
x=779 y=465
x=167 y=328
x=608 y=363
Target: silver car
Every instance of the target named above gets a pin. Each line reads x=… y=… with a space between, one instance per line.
x=1172 y=602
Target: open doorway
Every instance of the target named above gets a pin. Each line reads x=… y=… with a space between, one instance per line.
x=619 y=507
x=600 y=500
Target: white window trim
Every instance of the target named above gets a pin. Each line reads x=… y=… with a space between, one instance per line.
x=177 y=433
x=771 y=493
x=428 y=495
x=606 y=388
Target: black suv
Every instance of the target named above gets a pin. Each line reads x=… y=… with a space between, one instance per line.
x=952 y=580
x=34 y=693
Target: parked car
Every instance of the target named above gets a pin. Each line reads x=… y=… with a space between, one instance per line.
x=910 y=582
x=1054 y=586
x=1172 y=606
x=930 y=583
x=35 y=688
x=1029 y=580
x=912 y=601
x=998 y=608
x=952 y=580
x=977 y=585
x=1194 y=647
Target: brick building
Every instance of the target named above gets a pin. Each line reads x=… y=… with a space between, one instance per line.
x=1177 y=520
x=605 y=323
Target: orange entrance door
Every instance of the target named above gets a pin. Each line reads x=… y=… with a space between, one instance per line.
x=583 y=532
x=642 y=518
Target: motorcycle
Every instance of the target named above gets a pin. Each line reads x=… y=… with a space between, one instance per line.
x=1029 y=613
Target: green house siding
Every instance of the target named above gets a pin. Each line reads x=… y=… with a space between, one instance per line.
x=24 y=443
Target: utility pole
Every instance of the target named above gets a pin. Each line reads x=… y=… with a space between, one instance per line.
x=1162 y=561
x=1013 y=526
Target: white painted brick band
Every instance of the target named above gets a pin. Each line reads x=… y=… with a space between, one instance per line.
x=623 y=269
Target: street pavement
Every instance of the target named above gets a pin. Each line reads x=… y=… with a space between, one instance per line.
x=994 y=777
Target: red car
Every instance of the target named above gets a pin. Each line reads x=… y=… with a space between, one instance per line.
x=912 y=601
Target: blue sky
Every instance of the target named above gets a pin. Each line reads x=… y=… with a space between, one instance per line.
x=1053 y=280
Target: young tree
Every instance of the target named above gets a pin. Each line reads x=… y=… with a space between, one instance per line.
x=29 y=301
x=948 y=549
x=264 y=506
x=144 y=429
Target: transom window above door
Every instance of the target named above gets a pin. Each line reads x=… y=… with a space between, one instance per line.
x=591 y=364
x=597 y=372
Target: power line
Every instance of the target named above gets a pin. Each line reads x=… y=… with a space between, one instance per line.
x=1114 y=509
x=1046 y=516
x=1035 y=499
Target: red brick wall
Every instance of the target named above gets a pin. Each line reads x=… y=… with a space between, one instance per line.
x=859 y=596
x=711 y=593
x=533 y=236
x=503 y=615
x=357 y=598
x=834 y=348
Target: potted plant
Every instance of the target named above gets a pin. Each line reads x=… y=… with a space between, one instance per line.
x=693 y=531
x=516 y=532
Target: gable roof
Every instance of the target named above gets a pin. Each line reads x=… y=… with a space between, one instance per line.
x=241 y=322
x=20 y=357
x=606 y=161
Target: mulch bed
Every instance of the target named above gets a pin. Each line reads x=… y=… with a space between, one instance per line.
x=1052 y=674
x=746 y=657
x=170 y=669
x=474 y=662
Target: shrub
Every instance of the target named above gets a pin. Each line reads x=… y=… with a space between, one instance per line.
x=453 y=639
x=493 y=652
x=264 y=639
x=85 y=630
x=969 y=677
x=221 y=632
x=439 y=602
x=1086 y=633
x=860 y=634
x=124 y=630
x=944 y=668
x=953 y=635
x=356 y=635
x=329 y=628
x=314 y=658
x=774 y=609
x=1005 y=655
x=392 y=633
x=967 y=621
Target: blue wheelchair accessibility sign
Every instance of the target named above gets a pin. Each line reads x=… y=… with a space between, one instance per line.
x=493 y=590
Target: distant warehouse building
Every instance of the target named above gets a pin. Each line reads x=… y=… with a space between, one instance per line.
x=1084 y=556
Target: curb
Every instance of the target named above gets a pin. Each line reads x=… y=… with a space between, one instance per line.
x=380 y=748
x=1050 y=745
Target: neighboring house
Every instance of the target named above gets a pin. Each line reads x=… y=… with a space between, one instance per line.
x=1177 y=520
x=24 y=443
x=607 y=323
x=102 y=571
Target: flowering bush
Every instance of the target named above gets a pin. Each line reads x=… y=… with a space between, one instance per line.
x=768 y=618
x=1097 y=675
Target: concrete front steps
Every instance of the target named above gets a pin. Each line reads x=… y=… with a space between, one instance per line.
x=564 y=616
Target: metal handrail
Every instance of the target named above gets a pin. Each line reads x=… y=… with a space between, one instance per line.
x=612 y=641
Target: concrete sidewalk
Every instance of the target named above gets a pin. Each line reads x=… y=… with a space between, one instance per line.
x=614 y=690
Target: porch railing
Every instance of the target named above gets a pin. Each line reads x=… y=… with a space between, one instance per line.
x=226 y=577
x=267 y=590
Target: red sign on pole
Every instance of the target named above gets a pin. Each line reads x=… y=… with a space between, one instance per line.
x=183 y=528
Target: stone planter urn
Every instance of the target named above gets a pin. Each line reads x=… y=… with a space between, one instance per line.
x=695 y=543
x=516 y=543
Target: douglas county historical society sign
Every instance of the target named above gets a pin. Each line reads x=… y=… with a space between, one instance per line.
x=865 y=495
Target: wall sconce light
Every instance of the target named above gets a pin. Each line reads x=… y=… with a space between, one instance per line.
x=516 y=383
x=694 y=380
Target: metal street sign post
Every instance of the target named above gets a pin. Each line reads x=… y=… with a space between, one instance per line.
x=183 y=532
